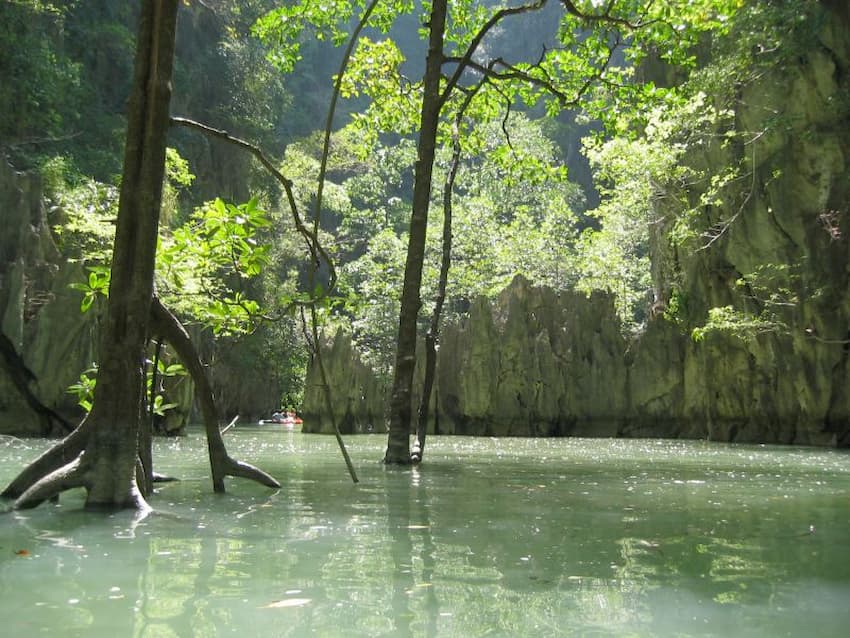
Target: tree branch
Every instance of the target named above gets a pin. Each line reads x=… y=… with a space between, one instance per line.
x=221 y=464
x=466 y=59
x=606 y=16
x=549 y=84
x=317 y=252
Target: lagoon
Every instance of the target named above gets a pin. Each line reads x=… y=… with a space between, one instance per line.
x=488 y=537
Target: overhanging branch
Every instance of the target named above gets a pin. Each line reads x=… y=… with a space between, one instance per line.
x=606 y=16
x=466 y=59
x=317 y=251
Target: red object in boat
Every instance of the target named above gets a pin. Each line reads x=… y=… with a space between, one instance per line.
x=288 y=419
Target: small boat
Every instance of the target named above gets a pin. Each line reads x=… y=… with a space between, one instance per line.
x=287 y=419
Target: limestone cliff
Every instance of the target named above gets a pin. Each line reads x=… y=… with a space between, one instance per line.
x=40 y=313
x=358 y=397
x=784 y=253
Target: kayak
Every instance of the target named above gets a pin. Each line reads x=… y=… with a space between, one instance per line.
x=286 y=421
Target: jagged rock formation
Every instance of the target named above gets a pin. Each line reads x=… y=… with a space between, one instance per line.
x=358 y=397
x=537 y=363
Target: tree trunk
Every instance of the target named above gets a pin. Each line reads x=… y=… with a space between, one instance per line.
x=432 y=339
x=117 y=409
x=109 y=464
x=398 y=442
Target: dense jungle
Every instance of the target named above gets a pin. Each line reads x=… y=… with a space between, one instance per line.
x=605 y=219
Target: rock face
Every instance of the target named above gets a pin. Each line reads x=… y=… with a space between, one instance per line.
x=539 y=363
x=358 y=397
x=789 y=385
x=52 y=342
x=534 y=363
x=40 y=313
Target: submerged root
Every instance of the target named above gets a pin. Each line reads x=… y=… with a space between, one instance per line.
x=404 y=461
x=417 y=451
x=62 y=467
x=69 y=476
x=58 y=456
x=166 y=324
x=235 y=468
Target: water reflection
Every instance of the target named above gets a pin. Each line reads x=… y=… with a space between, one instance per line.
x=605 y=538
x=414 y=599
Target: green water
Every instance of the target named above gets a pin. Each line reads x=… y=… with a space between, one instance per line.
x=490 y=537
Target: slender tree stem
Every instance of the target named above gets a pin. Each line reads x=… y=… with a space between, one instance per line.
x=432 y=338
x=317 y=215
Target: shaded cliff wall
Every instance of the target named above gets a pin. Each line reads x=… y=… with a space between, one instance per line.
x=791 y=211
x=245 y=374
x=534 y=362
x=40 y=314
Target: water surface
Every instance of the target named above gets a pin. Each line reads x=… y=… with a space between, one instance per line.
x=490 y=537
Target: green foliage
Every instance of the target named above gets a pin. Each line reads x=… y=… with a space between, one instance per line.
x=762 y=36
x=84 y=388
x=95 y=287
x=379 y=192
x=771 y=293
x=513 y=214
x=222 y=78
x=395 y=102
x=164 y=370
x=177 y=171
x=205 y=265
x=774 y=286
x=301 y=162
x=738 y=323
x=40 y=99
x=695 y=164
x=286 y=28
x=642 y=197
x=178 y=178
x=375 y=283
x=65 y=70
x=677 y=307
x=513 y=209
x=616 y=259
x=84 y=221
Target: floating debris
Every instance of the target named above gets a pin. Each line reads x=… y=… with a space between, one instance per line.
x=288 y=602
